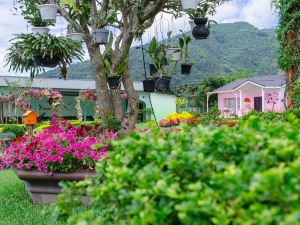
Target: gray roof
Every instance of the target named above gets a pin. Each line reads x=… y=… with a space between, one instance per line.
x=265 y=81
x=67 y=85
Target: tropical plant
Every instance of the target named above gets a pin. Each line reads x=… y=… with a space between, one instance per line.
x=184 y=42
x=25 y=47
x=32 y=15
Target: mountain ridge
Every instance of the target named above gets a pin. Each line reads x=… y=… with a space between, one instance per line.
x=230 y=47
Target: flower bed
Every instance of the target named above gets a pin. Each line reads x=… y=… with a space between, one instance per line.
x=60 y=148
x=175 y=119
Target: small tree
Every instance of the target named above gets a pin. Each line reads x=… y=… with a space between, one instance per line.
x=131 y=18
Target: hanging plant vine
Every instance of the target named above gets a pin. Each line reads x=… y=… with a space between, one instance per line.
x=288 y=33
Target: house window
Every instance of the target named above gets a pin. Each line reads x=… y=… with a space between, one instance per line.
x=230 y=103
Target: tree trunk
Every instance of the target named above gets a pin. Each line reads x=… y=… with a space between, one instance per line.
x=117 y=105
x=292 y=72
x=103 y=96
x=130 y=119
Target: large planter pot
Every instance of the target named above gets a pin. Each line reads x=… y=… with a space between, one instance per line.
x=149 y=85
x=44 y=188
x=40 y=31
x=48 y=11
x=186 y=69
x=163 y=84
x=114 y=82
x=46 y=61
x=75 y=36
x=189 y=4
x=153 y=69
x=100 y=36
x=201 y=31
x=173 y=54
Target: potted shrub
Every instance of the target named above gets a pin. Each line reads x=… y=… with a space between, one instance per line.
x=30 y=53
x=32 y=15
x=100 y=34
x=189 y=4
x=113 y=77
x=186 y=65
x=61 y=152
x=172 y=52
x=48 y=11
x=157 y=56
x=199 y=21
x=73 y=33
x=149 y=84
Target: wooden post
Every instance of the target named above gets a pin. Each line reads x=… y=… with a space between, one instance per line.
x=30 y=119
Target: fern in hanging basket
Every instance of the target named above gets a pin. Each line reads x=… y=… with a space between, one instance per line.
x=29 y=53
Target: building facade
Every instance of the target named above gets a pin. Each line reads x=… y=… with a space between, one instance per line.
x=263 y=94
x=163 y=103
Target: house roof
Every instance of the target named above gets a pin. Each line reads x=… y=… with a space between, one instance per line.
x=264 y=81
x=60 y=84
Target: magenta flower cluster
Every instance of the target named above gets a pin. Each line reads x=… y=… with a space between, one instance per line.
x=54 y=98
x=60 y=148
x=7 y=99
x=88 y=95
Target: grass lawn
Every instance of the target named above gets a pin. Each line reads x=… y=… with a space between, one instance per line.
x=15 y=204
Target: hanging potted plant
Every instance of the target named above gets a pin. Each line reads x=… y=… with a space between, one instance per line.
x=113 y=77
x=149 y=84
x=29 y=53
x=48 y=11
x=32 y=15
x=73 y=33
x=154 y=51
x=200 y=24
x=189 y=4
x=186 y=65
x=172 y=52
x=100 y=34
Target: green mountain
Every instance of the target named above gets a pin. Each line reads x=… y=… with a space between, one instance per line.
x=230 y=47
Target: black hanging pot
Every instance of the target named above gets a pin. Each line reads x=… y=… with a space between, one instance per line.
x=149 y=85
x=201 y=31
x=163 y=84
x=46 y=61
x=186 y=68
x=114 y=82
x=153 y=69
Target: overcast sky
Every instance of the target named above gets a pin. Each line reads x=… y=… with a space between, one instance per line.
x=256 y=12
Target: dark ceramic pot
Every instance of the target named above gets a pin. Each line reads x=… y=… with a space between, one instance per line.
x=153 y=69
x=201 y=31
x=46 y=61
x=149 y=85
x=44 y=188
x=201 y=21
x=186 y=69
x=114 y=82
x=163 y=84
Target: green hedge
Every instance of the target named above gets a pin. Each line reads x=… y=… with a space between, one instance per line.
x=15 y=129
x=245 y=175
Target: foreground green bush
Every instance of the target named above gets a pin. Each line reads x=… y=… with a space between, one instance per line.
x=246 y=175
